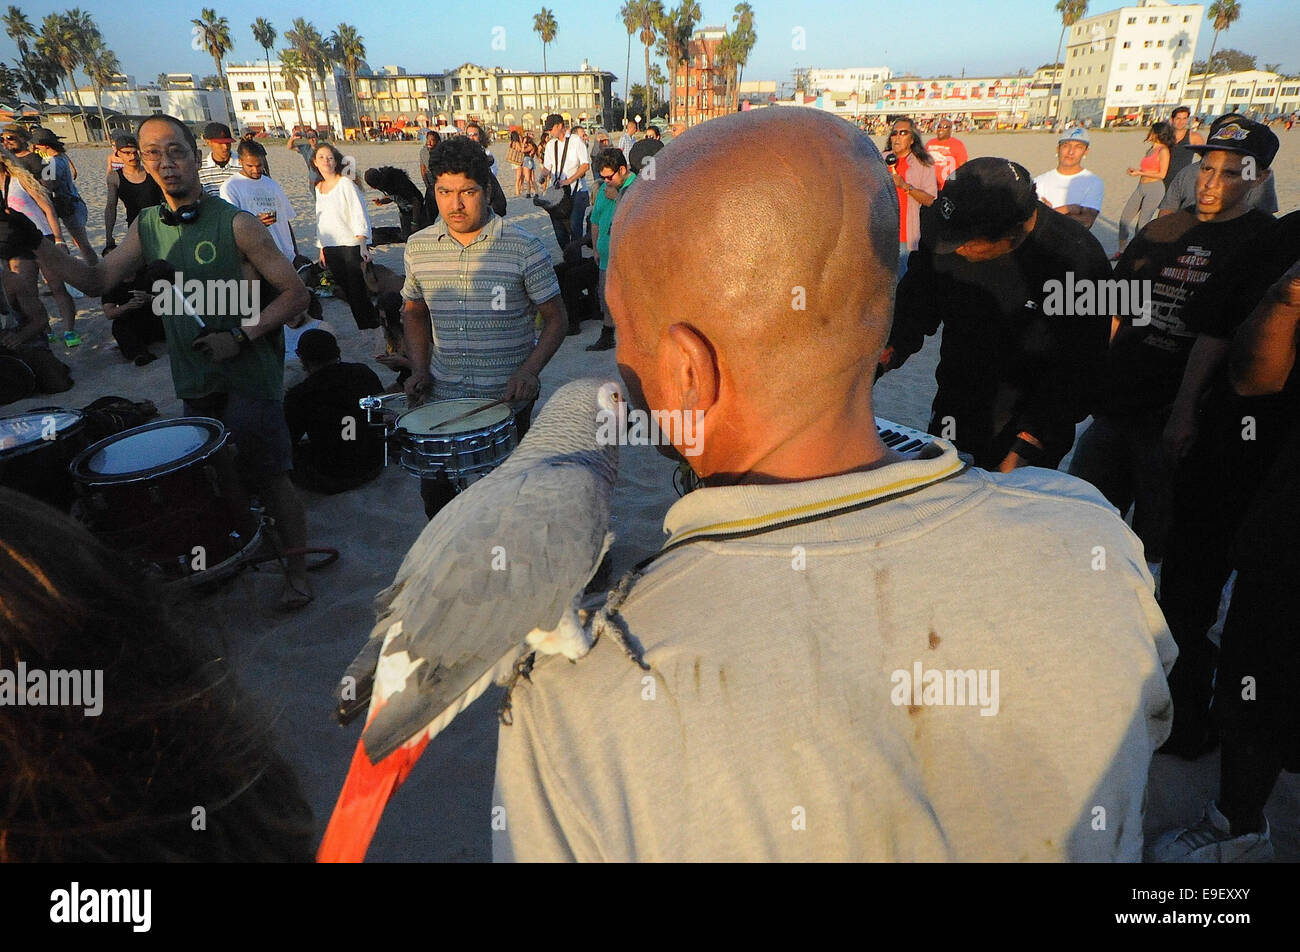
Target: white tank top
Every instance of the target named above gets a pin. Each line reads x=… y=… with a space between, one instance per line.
x=20 y=201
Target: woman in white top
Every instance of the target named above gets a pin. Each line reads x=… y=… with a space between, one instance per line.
x=343 y=234
x=21 y=192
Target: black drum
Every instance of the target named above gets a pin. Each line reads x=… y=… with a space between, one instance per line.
x=165 y=495
x=35 y=449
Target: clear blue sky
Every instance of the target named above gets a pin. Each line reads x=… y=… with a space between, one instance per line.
x=919 y=36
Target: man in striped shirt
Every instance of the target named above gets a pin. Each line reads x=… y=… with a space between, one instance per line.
x=218 y=167
x=473 y=284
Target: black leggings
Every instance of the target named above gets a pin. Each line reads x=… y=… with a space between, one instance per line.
x=344 y=263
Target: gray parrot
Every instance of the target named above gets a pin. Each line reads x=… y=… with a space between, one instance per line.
x=495 y=576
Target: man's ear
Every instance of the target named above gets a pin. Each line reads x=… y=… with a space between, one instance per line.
x=690 y=368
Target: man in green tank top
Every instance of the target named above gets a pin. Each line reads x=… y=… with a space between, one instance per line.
x=226 y=350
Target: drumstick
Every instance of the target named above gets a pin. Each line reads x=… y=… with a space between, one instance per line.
x=469 y=413
x=185 y=306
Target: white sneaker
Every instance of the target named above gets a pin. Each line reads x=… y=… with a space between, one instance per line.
x=1211 y=841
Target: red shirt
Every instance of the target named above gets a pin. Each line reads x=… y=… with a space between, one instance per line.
x=901 y=169
x=949 y=156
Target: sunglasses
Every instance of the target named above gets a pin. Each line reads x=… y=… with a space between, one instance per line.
x=608 y=178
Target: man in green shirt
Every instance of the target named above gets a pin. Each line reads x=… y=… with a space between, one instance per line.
x=613 y=170
x=227 y=358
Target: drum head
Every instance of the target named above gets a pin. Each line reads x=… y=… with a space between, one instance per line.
x=27 y=429
x=428 y=418
x=149 y=449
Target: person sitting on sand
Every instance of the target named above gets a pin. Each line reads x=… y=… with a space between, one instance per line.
x=852 y=653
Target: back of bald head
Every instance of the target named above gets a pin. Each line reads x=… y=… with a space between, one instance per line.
x=774 y=234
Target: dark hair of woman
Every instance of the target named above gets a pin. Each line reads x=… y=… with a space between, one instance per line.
x=914 y=143
x=176 y=766
x=1164 y=134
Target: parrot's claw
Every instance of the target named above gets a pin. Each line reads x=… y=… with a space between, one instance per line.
x=607 y=619
x=523 y=669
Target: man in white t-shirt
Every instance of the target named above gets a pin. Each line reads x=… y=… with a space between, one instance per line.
x=252 y=190
x=1070 y=188
x=572 y=176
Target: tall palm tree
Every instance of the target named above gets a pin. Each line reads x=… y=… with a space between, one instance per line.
x=657 y=80
x=727 y=56
x=322 y=60
x=1224 y=13
x=19 y=29
x=627 y=14
x=1071 y=11
x=215 y=32
x=162 y=80
x=293 y=72
x=647 y=14
x=544 y=26
x=670 y=48
x=689 y=15
x=349 y=48
x=305 y=39
x=59 y=45
x=745 y=37
x=101 y=66
x=264 y=35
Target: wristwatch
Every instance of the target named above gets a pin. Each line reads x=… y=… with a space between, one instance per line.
x=242 y=339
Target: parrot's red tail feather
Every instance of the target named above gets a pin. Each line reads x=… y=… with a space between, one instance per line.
x=365 y=793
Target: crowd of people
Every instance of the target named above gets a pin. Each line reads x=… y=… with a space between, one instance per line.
x=1181 y=351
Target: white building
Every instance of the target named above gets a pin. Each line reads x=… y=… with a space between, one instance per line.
x=1256 y=93
x=1130 y=64
x=252 y=91
x=863 y=80
x=193 y=106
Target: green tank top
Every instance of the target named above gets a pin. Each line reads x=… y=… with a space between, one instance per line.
x=205 y=251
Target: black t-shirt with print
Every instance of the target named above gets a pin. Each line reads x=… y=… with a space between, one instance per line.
x=1177 y=254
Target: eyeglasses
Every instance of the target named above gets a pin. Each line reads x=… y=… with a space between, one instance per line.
x=176 y=153
x=608 y=178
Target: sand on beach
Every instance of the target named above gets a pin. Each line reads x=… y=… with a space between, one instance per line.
x=291 y=663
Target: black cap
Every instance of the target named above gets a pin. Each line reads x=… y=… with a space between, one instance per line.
x=985 y=198
x=1238 y=134
x=42 y=136
x=217 y=132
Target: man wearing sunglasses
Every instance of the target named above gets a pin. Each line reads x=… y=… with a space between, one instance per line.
x=615 y=178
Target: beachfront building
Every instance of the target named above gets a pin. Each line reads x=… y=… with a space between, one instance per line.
x=126 y=102
x=700 y=83
x=1130 y=65
x=1257 y=93
x=264 y=102
x=390 y=98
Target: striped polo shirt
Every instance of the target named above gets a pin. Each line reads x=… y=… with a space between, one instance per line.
x=213 y=176
x=482 y=298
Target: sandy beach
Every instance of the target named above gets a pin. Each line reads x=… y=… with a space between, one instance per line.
x=291 y=663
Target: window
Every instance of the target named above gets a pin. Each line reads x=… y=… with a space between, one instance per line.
x=244 y=87
x=1239 y=92
x=1142 y=65
x=1209 y=93
x=1164 y=19
x=1151 y=19
x=1146 y=44
x=1290 y=90
x=1132 y=20
x=1119 y=89
x=1173 y=85
x=1155 y=65
x=1264 y=92
x=155 y=102
x=1160 y=42
x=286 y=104
x=1187 y=19
x=248 y=105
x=1127 y=44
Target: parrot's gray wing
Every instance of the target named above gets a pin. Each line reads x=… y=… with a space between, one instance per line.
x=505 y=557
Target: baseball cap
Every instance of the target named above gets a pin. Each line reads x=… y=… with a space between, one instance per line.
x=985 y=198
x=1237 y=134
x=1077 y=134
x=217 y=132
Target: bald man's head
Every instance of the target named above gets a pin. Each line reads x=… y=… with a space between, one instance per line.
x=773 y=234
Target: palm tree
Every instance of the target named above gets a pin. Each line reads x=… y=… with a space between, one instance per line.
x=215 y=32
x=304 y=38
x=627 y=14
x=689 y=14
x=264 y=35
x=58 y=44
x=745 y=37
x=657 y=80
x=1224 y=13
x=349 y=48
x=162 y=80
x=101 y=67
x=37 y=75
x=544 y=26
x=322 y=61
x=19 y=29
x=647 y=14
x=293 y=72
x=727 y=56
x=1071 y=11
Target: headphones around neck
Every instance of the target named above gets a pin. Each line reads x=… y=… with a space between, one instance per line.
x=185 y=215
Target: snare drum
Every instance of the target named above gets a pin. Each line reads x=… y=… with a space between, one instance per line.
x=35 y=449
x=471 y=448
x=165 y=495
